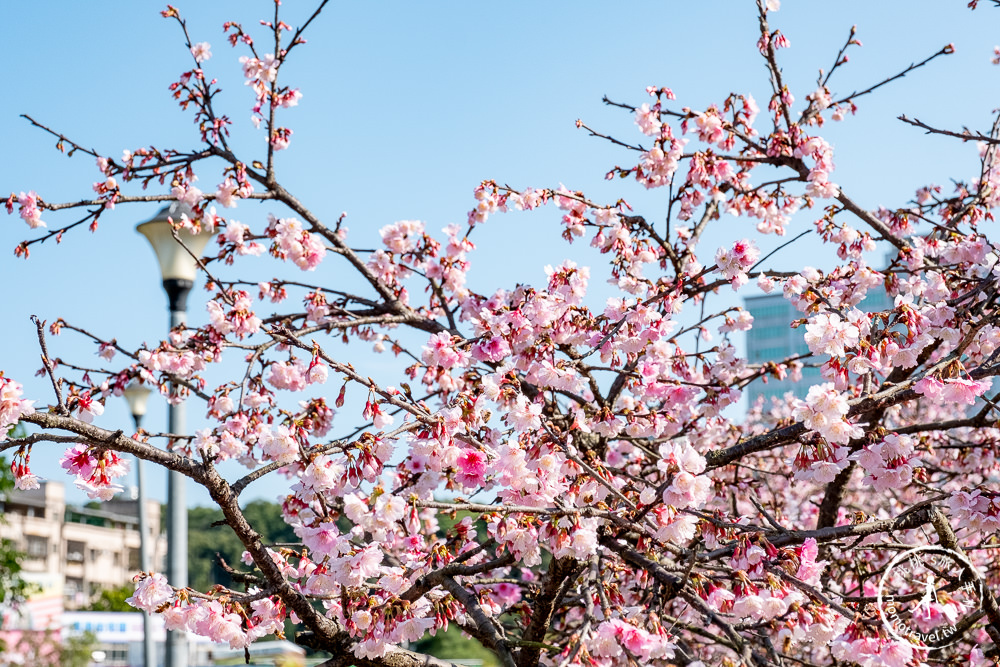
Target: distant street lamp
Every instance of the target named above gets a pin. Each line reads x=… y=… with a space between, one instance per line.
x=137 y=396
x=179 y=270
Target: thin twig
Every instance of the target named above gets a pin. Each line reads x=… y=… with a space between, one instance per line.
x=56 y=383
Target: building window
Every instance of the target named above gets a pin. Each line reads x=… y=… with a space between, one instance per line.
x=72 y=587
x=94 y=553
x=133 y=560
x=781 y=310
x=778 y=353
x=75 y=551
x=115 y=654
x=38 y=547
x=764 y=332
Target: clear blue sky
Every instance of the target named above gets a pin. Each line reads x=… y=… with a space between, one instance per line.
x=408 y=106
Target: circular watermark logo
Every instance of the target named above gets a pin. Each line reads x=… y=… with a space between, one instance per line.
x=924 y=594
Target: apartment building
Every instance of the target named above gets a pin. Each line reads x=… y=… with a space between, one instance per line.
x=71 y=553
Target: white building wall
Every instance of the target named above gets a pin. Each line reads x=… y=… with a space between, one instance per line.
x=76 y=552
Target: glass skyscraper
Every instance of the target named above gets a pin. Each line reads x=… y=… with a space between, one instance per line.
x=773 y=339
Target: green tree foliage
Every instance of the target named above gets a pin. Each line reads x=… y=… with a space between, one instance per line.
x=207 y=537
x=112 y=599
x=12 y=587
x=76 y=651
x=453 y=645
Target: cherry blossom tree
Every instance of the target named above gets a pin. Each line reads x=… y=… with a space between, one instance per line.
x=619 y=508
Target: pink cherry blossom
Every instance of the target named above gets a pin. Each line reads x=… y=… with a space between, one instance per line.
x=12 y=406
x=281 y=137
x=442 y=351
x=734 y=262
x=304 y=249
x=263 y=70
x=809 y=568
x=88 y=407
x=151 y=591
x=30 y=212
x=227 y=194
x=187 y=194
x=471 y=468
x=829 y=334
x=277 y=444
x=824 y=410
x=648 y=120
x=25 y=480
x=524 y=416
x=960 y=390
x=201 y=52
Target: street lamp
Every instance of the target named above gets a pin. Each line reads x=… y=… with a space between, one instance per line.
x=178 y=269
x=137 y=396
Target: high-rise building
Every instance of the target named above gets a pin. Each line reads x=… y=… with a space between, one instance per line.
x=772 y=338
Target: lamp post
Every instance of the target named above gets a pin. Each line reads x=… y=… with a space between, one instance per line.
x=137 y=395
x=178 y=270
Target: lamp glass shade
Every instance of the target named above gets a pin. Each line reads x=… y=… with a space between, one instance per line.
x=137 y=396
x=175 y=262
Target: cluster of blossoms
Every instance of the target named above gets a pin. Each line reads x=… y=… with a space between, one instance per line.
x=231 y=623
x=95 y=470
x=20 y=468
x=688 y=487
x=402 y=240
x=261 y=74
x=734 y=262
x=185 y=192
x=952 y=390
x=239 y=320
x=230 y=192
x=175 y=357
x=978 y=511
x=292 y=242
x=861 y=646
x=657 y=166
x=614 y=637
x=12 y=406
x=30 y=212
x=409 y=249
x=821 y=154
x=259 y=71
x=887 y=463
x=824 y=410
x=829 y=334
x=297 y=374
x=235 y=238
x=441 y=352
